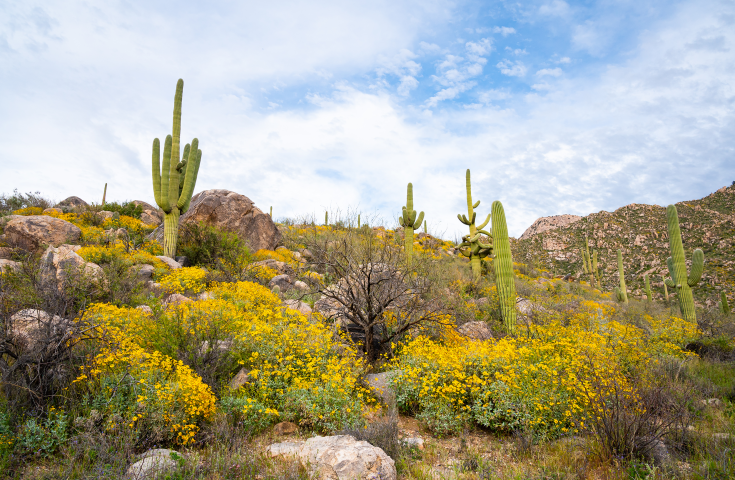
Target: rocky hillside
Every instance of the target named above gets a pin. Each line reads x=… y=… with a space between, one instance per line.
x=641 y=232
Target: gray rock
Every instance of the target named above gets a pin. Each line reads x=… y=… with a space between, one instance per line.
x=58 y=263
x=146 y=309
x=285 y=428
x=71 y=203
x=241 y=379
x=30 y=325
x=176 y=298
x=285 y=284
x=416 y=442
x=152 y=463
x=151 y=215
x=205 y=296
x=299 y=306
x=233 y=212
x=477 y=330
x=105 y=215
x=339 y=457
x=9 y=265
x=35 y=231
x=281 y=267
x=143 y=272
x=172 y=264
x=712 y=402
x=6 y=253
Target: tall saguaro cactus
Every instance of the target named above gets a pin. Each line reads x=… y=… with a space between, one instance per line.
x=173 y=183
x=409 y=222
x=589 y=263
x=503 y=262
x=471 y=246
x=723 y=305
x=680 y=280
x=621 y=292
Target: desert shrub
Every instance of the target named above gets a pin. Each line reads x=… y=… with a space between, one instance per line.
x=29 y=211
x=126 y=208
x=159 y=397
x=102 y=254
x=19 y=201
x=43 y=437
x=211 y=247
x=186 y=280
x=382 y=433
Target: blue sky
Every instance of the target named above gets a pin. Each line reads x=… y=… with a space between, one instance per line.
x=556 y=107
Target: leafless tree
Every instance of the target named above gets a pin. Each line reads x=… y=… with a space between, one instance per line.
x=369 y=288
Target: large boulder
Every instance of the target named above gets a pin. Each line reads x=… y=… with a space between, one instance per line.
x=29 y=326
x=233 y=212
x=340 y=457
x=152 y=464
x=71 y=203
x=58 y=263
x=151 y=215
x=35 y=231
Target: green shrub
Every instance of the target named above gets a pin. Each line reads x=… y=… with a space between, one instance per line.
x=43 y=437
x=211 y=247
x=124 y=208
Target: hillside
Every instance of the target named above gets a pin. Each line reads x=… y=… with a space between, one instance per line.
x=641 y=232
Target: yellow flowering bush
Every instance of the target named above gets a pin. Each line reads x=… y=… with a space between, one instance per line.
x=185 y=280
x=160 y=397
x=101 y=254
x=542 y=381
x=29 y=211
x=261 y=273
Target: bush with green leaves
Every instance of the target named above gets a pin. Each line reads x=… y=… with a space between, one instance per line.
x=211 y=247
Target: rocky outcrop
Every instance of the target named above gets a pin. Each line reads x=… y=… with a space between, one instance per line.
x=35 y=231
x=544 y=224
x=29 y=326
x=302 y=307
x=477 y=330
x=71 y=203
x=233 y=212
x=339 y=457
x=152 y=464
x=151 y=215
x=58 y=263
x=286 y=284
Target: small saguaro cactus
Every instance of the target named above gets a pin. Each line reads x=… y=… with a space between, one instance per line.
x=425 y=229
x=680 y=280
x=409 y=222
x=503 y=263
x=271 y=213
x=173 y=183
x=326 y=219
x=666 y=290
x=647 y=289
x=589 y=263
x=104 y=195
x=358 y=221
x=723 y=305
x=471 y=246
x=621 y=292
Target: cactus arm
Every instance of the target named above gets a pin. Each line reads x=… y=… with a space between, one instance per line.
x=695 y=274
x=419 y=221
x=195 y=166
x=485 y=232
x=623 y=291
x=476 y=204
x=173 y=187
x=486 y=246
x=484 y=224
x=647 y=289
x=666 y=290
x=724 y=306
x=463 y=219
x=672 y=272
x=165 y=204
x=191 y=174
x=156 y=162
x=669 y=283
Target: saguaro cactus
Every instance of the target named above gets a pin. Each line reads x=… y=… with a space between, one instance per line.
x=173 y=184
x=471 y=246
x=358 y=221
x=104 y=195
x=723 y=305
x=666 y=290
x=326 y=218
x=409 y=222
x=621 y=292
x=503 y=262
x=680 y=280
x=589 y=263
x=425 y=230
x=647 y=289
x=271 y=214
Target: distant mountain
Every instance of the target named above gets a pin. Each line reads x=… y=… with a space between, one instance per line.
x=555 y=243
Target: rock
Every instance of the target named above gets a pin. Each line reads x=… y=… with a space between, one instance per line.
x=106 y=215
x=477 y=330
x=219 y=345
x=723 y=437
x=299 y=306
x=205 y=296
x=339 y=457
x=233 y=212
x=524 y=306
x=284 y=449
x=283 y=250
x=172 y=264
x=31 y=325
x=241 y=379
x=183 y=260
x=153 y=463
x=655 y=449
x=544 y=224
x=285 y=284
x=143 y=272
x=35 y=231
x=285 y=428
x=380 y=385
x=52 y=210
x=480 y=302
x=711 y=402
x=71 y=203
x=281 y=267
x=176 y=298
x=151 y=215
x=415 y=442
x=146 y=309
x=58 y=263
x=307 y=254
x=9 y=264
x=6 y=253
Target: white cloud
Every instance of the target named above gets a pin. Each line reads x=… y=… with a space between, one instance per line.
x=516 y=51
x=555 y=8
x=483 y=47
x=448 y=93
x=511 y=68
x=504 y=31
x=402 y=66
x=564 y=60
x=541 y=86
x=551 y=72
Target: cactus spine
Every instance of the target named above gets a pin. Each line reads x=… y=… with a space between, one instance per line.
x=471 y=246
x=503 y=263
x=621 y=292
x=647 y=289
x=680 y=280
x=173 y=182
x=723 y=305
x=409 y=222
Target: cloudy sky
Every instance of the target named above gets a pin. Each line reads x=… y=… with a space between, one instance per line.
x=556 y=107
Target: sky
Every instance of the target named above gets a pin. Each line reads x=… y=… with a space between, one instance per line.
x=556 y=107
